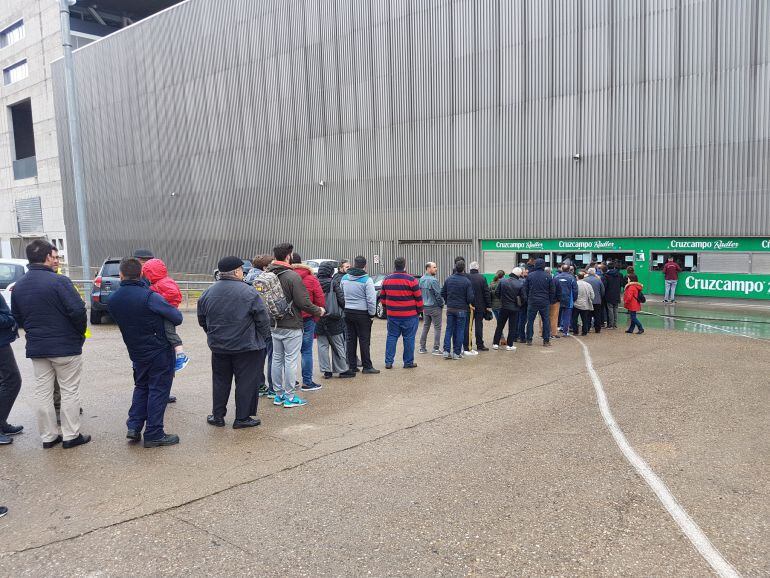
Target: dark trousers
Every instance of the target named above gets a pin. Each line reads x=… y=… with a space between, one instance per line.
x=455 y=330
x=598 y=317
x=574 y=320
x=359 y=326
x=478 y=327
x=521 y=325
x=268 y=355
x=10 y=381
x=152 y=385
x=532 y=312
x=244 y=367
x=510 y=317
x=585 y=320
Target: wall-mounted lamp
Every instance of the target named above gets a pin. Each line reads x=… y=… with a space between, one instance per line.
x=577 y=157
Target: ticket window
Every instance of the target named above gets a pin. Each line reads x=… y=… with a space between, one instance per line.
x=687 y=261
x=523 y=257
x=622 y=260
x=579 y=260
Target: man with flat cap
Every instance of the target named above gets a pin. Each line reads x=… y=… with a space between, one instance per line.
x=237 y=328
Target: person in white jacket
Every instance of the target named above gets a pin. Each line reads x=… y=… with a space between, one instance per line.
x=584 y=305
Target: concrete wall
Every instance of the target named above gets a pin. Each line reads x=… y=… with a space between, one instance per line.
x=40 y=47
x=207 y=131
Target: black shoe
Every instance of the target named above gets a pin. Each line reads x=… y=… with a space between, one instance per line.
x=354 y=370
x=347 y=373
x=171 y=399
x=482 y=348
x=11 y=430
x=529 y=342
x=328 y=375
x=410 y=365
x=387 y=366
x=640 y=332
x=3 y=511
x=166 y=440
x=217 y=421
x=248 y=422
x=78 y=441
x=546 y=344
x=629 y=330
x=5 y=440
x=133 y=435
x=49 y=445
x=522 y=340
x=370 y=371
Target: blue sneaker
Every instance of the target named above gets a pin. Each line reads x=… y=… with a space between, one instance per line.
x=181 y=362
x=293 y=402
x=278 y=400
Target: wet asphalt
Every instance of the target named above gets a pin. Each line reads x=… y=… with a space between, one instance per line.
x=498 y=464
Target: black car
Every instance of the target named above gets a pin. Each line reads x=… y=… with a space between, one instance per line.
x=246 y=268
x=106 y=282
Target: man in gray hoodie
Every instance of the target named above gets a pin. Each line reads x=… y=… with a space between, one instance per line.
x=360 y=306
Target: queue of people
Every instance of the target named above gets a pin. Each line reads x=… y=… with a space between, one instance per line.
x=273 y=318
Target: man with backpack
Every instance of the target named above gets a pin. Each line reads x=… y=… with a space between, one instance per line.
x=285 y=296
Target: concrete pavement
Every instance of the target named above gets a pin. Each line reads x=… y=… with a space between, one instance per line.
x=499 y=464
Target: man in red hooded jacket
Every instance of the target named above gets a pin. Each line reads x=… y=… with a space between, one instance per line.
x=318 y=299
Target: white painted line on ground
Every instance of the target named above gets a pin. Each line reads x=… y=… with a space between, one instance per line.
x=701 y=542
x=739 y=334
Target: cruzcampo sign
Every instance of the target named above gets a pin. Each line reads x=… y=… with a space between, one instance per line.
x=679 y=244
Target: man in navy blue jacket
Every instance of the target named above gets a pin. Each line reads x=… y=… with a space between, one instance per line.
x=49 y=309
x=540 y=291
x=569 y=291
x=10 y=378
x=140 y=313
x=458 y=296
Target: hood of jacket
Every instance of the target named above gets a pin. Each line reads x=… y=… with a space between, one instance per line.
x=539 y=264
x=635 y=283
x=358 y=275
x=276 y=266
x=154 y=270
x=302 y=270
x=613 y=272
x=325 y=270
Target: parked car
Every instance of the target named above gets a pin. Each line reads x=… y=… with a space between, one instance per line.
x=246 y=269
x=11 y=270
x=106 y=282
x=314 y=264
x=378 y=279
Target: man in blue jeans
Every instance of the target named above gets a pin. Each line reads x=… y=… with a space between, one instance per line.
x=402 y=299
x=140 y=314
x=458 y=296
x=568 y=291
x=540 y=290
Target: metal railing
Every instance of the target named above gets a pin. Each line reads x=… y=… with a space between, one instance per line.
x=191 y=290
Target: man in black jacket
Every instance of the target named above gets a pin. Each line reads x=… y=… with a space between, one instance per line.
x=613 y=285
x=10 y=378
x=237 y=327
x=482 y=302
x=49 y=309
x=510 y=290
x=140 y=315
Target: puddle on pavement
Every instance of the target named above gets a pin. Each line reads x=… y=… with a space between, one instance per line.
x=705 y=319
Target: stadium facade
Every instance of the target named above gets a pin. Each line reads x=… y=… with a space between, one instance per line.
x=493 y=129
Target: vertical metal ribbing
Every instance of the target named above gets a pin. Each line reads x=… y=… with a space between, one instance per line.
x=241 y=113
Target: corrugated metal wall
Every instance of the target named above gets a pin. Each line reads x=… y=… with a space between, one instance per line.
x=426 y=119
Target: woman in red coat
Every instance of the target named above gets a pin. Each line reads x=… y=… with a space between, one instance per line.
x=308 y=322
x=632 y=301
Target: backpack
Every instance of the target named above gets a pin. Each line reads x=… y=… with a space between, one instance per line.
x=269 y=288
x=333 y=309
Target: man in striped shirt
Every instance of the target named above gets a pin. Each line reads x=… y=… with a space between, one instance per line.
x=402 y=300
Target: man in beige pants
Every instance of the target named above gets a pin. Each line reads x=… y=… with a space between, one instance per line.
x=554 y=312
x=54 y=319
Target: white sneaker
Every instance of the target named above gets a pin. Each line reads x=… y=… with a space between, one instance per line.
x=471 y=352
x=495 y=346
x=511 y=348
